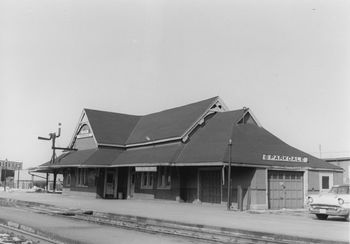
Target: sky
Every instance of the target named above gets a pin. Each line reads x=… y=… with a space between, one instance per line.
x=288 y=61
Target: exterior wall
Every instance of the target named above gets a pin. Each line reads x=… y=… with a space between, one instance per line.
x=345 y=164
x=167 y=194
x=246 y=177
x=314 y=180
x=259 y=189
x=338 y=178
x=91 y=180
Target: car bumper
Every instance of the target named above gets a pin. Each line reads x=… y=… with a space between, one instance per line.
x=333 y=211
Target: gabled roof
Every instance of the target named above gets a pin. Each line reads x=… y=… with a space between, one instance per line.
x=206 y=140
x=111 y=128
x=123 y=129
x=171 y=123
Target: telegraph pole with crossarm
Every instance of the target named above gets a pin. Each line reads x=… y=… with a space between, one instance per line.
x=53 y=137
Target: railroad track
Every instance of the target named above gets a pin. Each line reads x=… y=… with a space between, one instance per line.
x=196 y=232
x=26 y=236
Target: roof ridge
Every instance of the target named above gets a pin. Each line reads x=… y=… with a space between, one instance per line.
x=185 y=105
x=105 y=111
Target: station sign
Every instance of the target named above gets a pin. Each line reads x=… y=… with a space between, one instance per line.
x=11 y=165
x=146 y=169
x=284 y=158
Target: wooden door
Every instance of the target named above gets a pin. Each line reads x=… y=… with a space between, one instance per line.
x=210 y=186
x=285 y=189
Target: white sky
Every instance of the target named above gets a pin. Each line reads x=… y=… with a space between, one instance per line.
x=286 y=60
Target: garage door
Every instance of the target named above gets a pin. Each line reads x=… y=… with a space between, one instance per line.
x=210 y=189
x=285 y=189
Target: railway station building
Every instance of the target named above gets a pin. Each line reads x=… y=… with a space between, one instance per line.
x=183 y=154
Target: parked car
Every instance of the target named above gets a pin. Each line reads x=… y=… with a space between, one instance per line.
x=336 y=202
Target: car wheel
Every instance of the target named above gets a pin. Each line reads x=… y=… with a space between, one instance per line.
x=346 y=217
x=322 y=216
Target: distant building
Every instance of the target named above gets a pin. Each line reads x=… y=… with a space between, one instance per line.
x=343 y=162
x=184 y=154
x=7 y=171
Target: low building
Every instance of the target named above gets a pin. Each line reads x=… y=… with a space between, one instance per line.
x=26 y=179
x=344 y=163
x=184 y=154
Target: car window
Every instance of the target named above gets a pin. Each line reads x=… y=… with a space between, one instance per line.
x=343 y=190
x=334 y=189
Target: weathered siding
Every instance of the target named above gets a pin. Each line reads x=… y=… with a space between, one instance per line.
x=313 y=182
x=338 y=178
x=240 y=176
x=91 y=181
x=259 y=188
x=344 y=165
x=160 y=193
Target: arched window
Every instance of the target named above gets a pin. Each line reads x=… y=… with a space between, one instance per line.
x=84 y=131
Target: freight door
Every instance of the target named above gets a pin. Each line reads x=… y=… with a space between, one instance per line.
x=210 y=186
x=285 y=189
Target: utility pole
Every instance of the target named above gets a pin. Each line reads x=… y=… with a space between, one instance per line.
x=53 y=137
x=229 y=176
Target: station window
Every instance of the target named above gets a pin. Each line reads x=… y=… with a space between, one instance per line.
x=147 y=180
x=164 y=178
x=81 y=177
x=325 y=182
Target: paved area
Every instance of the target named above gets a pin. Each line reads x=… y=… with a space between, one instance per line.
x=295 y=223
x=73 y=231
